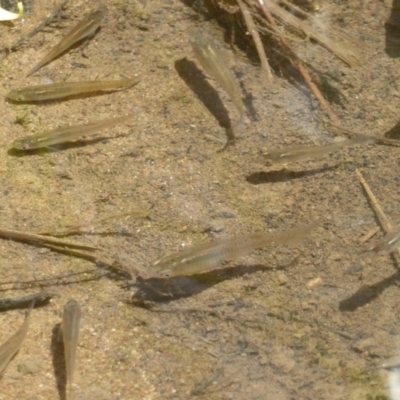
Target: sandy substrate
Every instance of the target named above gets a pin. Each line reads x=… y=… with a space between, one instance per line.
x=309 y=322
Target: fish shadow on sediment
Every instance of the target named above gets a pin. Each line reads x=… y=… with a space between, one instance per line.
x=283 y=175
x=392 y=31
x=40 y=300
x=57 y=351
x=393 y=133
x=197 y=82
x=248 y=101
x=160 y=290
x=367 y=293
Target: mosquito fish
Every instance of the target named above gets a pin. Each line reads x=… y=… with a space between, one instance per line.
x=70 y=333
x=66 y=89
x=87 y=27
x=214 y=63
x=388 y=244
x=293 y=154
x=207 y=256
x=65 y=134
x=12 y=345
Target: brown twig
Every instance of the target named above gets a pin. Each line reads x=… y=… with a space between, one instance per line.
x=18 y=284
x=368 y=235
x=104 y=261
x=386 y=225
x=78 y=229
x=308 y=29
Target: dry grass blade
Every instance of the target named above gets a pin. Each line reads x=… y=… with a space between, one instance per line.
x=387 y=227
x=257 y=41
x=42 y=240
x=52 y=281
x=296 y=61
x=309 y=28
x=73 y=252
x=266 y=13
x=104 y=261
x=368 y=235
x=78 y=229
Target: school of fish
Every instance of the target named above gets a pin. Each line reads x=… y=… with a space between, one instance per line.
x=195 y=259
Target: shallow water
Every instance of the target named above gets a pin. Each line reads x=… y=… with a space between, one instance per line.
x=311 y=321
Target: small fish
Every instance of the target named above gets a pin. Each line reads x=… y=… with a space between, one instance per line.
x=12 y=345
x=388 y=244
x=214 y=63
x=293 y=154
x=65 y=134
x=207 y=256
x=70 y=333
x=87 y=27
x=66 y=89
